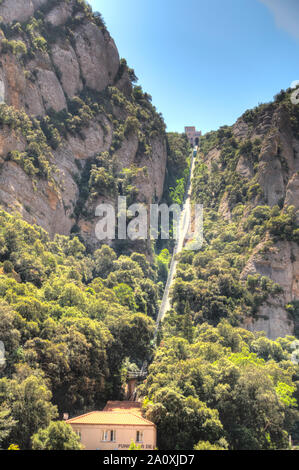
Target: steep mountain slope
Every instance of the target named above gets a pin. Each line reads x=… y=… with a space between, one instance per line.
x=75 y=131
x=213 y=384
x=247 y=179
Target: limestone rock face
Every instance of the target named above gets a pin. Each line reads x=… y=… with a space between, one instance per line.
x=292 y=193
x=41 y=206
x=93 y=59
x=94 y=141
x=51 y=90
x=281 y=264
x=19 y=10
x=65 y=59
x=244 y=168
x=97 y=56
x=276 y=173
x=149 y=181
x=83 y=60
x=59 y=14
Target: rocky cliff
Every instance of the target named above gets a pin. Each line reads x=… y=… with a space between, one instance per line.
x=253 y=168
x=278 y=177
x=74 y=129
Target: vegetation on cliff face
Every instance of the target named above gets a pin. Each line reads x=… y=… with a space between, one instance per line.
x=238 y=221
x=36 y=159
x=176 y=179
x=212 y=384
x=123 y=113
x=178 y=165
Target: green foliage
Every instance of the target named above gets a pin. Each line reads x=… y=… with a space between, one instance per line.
x=104 y=258
x=131 y=125
x=57 y=436
x=222 y=179
x=210 y=279
x=284 y=226
x=16 y=47
x=248 y=382
x=178 y=162
x=13 y=447
x=7 y=267
x=205 y=445
x=182 y=421
x=220 y=391
x=28 y=398
x=37 y=157
x=134 y=446
x=6 y=423
x=163 y=260
x=71 y=318
x=177 y=194
x=39 y=43
x=101 y=181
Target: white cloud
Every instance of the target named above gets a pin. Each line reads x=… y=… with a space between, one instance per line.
x=286 y=13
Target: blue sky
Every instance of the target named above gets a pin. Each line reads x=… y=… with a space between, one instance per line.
x=206 y=61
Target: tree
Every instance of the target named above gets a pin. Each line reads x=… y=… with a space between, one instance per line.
x=187 y=326
x=252 y=411
x=9 y=334
x=29 y=401
x=206 y=445
x=6 y=423
x=220 y=384
x=104 y=258
x=57 y=436
x=125 y=296
x=182 y=421
x=163 y=260
x=133 y=333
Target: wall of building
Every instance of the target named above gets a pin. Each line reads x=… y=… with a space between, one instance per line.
x=91 y=436
x=192 y=134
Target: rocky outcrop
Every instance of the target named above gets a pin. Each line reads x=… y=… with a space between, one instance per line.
x=43 y=82
x=65 y=60
x=59 y=14
x=275 y=172
x=278 y=178
x=281 y=264
x=19 y=10
x=97 y=56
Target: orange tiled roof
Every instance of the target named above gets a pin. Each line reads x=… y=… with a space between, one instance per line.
x=133 y=406
x=111 y=418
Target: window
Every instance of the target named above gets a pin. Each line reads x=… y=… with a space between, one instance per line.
x=109 y=436
x=139 y=436
x=78 y=432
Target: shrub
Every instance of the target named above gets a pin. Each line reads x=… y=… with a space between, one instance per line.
x=7 y=267
x=16 y=47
